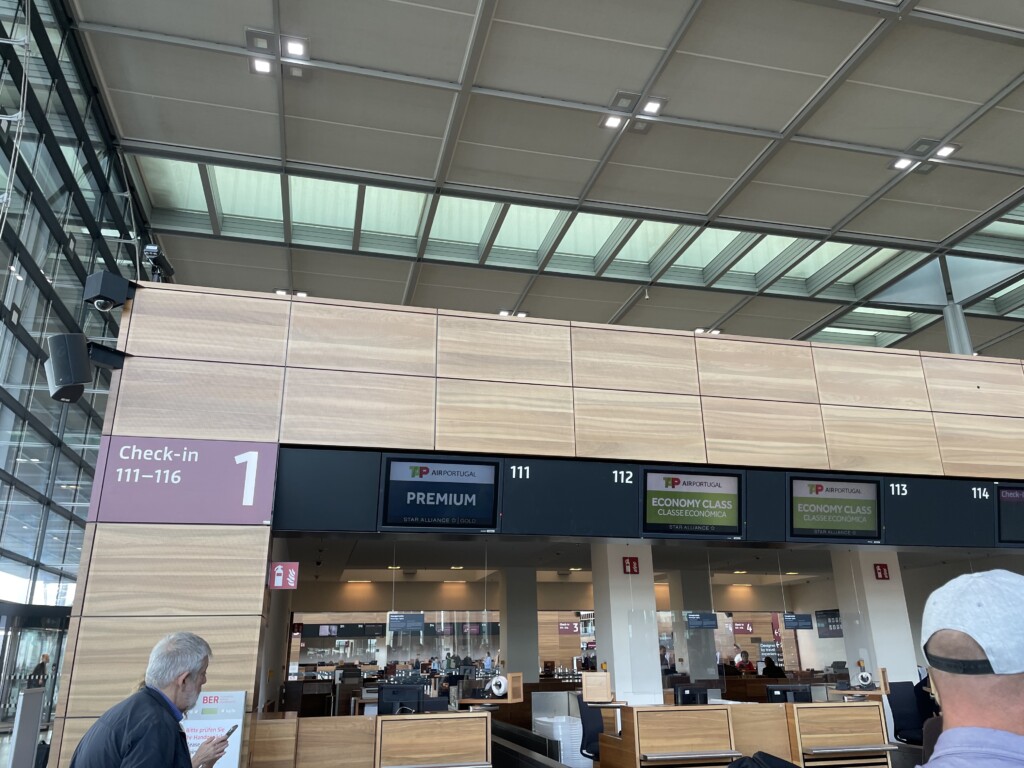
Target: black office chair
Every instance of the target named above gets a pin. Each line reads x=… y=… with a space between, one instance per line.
x=593 y=727
x=907 y=721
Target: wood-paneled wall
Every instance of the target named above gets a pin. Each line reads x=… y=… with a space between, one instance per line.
x=255 y=367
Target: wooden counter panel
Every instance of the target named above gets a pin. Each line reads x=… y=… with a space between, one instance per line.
x=764 y=433
x=881 y=440
x=970 y=386
x=697 y=729
x=839 y=725
x=433 y=739
x=112 y=653
x=335 y=742
x=980 y=446
x=194 y=326
x=762 y=727
x=358 y=409
x=485 y=416
x=177 y=570
x=639 y=425
x=853 y=377
x=636 y=362
x=503 y=349
x=183 y=398
x=750 y=369
x=358 y=339
x=274 y=743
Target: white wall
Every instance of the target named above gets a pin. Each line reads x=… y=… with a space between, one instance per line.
x=818 y=595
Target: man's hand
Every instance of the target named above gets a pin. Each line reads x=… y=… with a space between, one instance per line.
x=210 y=751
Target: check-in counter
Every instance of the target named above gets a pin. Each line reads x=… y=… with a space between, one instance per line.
x=653 y=737
x=840 y=734
x=436 y=740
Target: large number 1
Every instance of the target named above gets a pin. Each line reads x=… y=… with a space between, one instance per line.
x=251 y=459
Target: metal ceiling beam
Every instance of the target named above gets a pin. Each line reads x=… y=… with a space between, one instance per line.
x=1000 y=338
x=731 y=312
x=422 y=238
x=357 y=223
x=481 y=26
x=729 y=256
x=1010 y=302
x=212 y=195
x=673 y=248
x=628 y=304
x=879 y=33
x=832 y=272
x=645 y=94
x=876 y=323
x=410 y=282
x=494 y=222
x=790 y=256
x=556 y=232
x=615 y=243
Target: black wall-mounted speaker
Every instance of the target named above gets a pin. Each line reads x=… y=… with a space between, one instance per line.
x=68 y=369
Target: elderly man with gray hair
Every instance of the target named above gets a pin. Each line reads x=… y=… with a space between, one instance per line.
x=145 y=729
x=971 y=634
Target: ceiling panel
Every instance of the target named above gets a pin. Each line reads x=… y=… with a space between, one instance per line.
x=678 y=308
x=779 y=34
x=734 y=93
x=467 y=289
x=413 y=38
x=362 y=148
x=775 y=318
x=791 y=205
x=956 y=188
x=821 y=168
x=940 y=62
x=547 y=62
x=1012 y=347
x=650 y=187
x=566 y=298
x=910 y=220
x=995 y=138
x=196 y=125
x=882 y=117
x=339 y=97
x=984 y=329
x=608 y=19
x=193 y=75
x=226 y=264
x=221 y=22
x=516 y=170
x=1000 y=13
x=346 y=276
x=678 y=148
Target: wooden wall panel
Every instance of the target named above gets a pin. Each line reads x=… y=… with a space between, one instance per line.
x=503 y=349
x=874 y=379
x=88 y=539
x=194 y=326
x=506 y=418
x=60 y=709
x=108 y=413
x=881 y=440
x=71 y=732
x=216 y=401
x=358 y=409
x=112 y=653
x=980 y=446
x=638 y=362
x=639 y=425
x=348 y=338
x=552 y=646
x=184 y=570
x=750 y=369
x=972 y=386
x=274 y=742
x=764 y=433
x=335 y=742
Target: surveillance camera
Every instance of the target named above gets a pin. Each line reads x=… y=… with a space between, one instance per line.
x=105 y=290
x=162 y=268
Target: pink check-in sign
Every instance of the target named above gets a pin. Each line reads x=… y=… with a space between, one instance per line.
x=167 y=480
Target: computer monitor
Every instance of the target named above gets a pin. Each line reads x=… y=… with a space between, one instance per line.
x=399 y=699
x=780 y=694
x=686 y=695
x=837 y=665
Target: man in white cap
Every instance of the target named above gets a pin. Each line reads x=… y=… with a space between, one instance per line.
x=972 y=634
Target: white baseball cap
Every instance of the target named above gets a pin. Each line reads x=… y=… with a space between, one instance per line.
x=989 y=608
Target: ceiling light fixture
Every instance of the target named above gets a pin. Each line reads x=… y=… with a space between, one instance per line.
x=654 y=105
x=394 y=567
x=698 y=330
x=456 y=567
x=739 y=572
x=946 y=150
x=792 y=573
x=714 y=331
x=358 y=581
x=295 y=47
x=901 y=163
x=301 y=294
x=575 y=569
x=260 y=66
x=743 y=585
x=611 y=121
x=454 y=581
x=505 y=312
x=281 y=292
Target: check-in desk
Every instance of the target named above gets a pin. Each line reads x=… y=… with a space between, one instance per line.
x=437 y=740
x=653 y=737
x=840 y=734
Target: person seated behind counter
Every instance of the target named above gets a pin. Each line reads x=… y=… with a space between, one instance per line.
x=745 y=664
x=771 y=669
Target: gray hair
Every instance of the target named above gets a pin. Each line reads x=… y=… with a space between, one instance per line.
x=177 y=653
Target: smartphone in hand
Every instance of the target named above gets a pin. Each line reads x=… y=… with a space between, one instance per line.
x=231 y=730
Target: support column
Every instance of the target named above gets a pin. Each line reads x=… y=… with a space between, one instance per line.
x=700 y=643
x=957 y=333
x=626 y=626
x=520 y=650
x=876 y=623
x=677 y=604
x=276 y=636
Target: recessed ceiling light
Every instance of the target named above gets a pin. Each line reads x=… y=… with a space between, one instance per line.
x=946 y=150
x=281 y=292
x=714 y=331
x=902 y=163
x=301 y=294
x=20 y=277
x=295 y=48
x=454 y=581
x=738 y=572
x=13 y=268
x=792 y=573
x=457 y=567
x=611 y=121
x=653 y=106
x=34 y=461
x=698 y=330
x=358 y=581
x=575 y=569
x=522 y=314
x=261 y=66
x=505 y=312
x=639 y=126
x=743 y=585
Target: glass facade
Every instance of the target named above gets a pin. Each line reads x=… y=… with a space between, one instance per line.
x=66 y=214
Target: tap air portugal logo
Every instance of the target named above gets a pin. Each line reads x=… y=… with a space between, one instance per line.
x=419 y=472
x=817 y=489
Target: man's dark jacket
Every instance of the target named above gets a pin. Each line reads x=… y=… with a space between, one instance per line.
x=140 y=732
